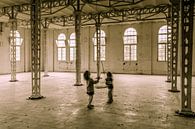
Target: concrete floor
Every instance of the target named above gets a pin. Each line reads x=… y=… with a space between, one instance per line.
x=140 y=102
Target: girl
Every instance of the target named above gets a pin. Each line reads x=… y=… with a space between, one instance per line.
x=110 y=86
x=90 y=87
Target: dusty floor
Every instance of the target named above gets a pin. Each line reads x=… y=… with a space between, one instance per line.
x=140 y=102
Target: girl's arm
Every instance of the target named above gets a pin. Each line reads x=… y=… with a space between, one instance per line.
x=95 y=81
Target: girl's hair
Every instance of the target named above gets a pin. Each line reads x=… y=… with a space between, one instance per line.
x=86 y=75
x=109 y=74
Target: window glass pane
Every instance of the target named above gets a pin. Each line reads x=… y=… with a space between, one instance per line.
x=102 y=41
x=102 y=47
x=162 y=38
x=17 y=53
x=161 y=52
x=72 y=36
x=133 y=52
x=61 y=54
x=61 y=40
x=130 y=31
x=163 y=30
x=61 y=36
x=103 y=53
x=18 y=39
x=95 y=53
x=72 y=42
x=102 y=38
x=72 y=54
x=127 y=53
x=162 y=43
x=17 y=34
x=130 y=39
x=130 y=44
x=60 y=43
x=102 y=33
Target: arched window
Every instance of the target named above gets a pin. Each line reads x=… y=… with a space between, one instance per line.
x=19 y=41
x=60 y=42
x=130 y=44
x=102 y=46
x=72 y=44
x=162 y=43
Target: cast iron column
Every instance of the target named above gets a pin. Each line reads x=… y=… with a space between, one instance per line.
x=98 y=42
x=77 y=15
x=12 y=19
x=35 y=48
x=174 y=46
x=187 y=8
x=169 y=46
x=45 y=24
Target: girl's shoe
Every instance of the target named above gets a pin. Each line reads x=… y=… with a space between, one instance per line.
x=110 y=101
x=90 y=106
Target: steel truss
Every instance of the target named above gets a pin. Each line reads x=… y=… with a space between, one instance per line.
x=186 y=61
x=12 y=13
x=116 y=16
x=112 y=3
x=45 y=25
x=174 y=44
x=35 y=48
x=44 y=5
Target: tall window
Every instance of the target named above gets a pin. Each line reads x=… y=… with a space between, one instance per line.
x=102 y=46
x=61 y=46
x=72 y=44
x=162 y=43
x=19 y=41
x=130 y=44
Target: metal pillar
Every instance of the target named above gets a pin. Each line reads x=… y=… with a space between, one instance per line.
x=77 y=14
x=12 y=19
x=169 y=47
x=174 y=45
x=35 y=48
x=45 y=25
x=186 y=62
x=98 y=41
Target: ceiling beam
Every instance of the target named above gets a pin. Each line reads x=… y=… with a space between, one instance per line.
x=123 y=15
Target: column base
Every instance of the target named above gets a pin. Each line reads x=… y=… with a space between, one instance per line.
x=13 y=80
x=46 y=75
x=98 y=77
x=185 y=113
x=78 y=84
x=33 y=97
x=169 y=81
x=174 y=91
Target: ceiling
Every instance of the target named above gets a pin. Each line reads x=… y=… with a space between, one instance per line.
x=4 y=3
x=89 y=8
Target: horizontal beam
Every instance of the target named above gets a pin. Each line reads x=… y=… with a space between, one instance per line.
x=112 y=3
x=44 y=5
x=139 y=14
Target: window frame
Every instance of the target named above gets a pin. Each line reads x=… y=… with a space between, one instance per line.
x=130 y=40
x=19 y=41
x=162 y=41
x=61 y=48
x=102 y=46
x=72 y=48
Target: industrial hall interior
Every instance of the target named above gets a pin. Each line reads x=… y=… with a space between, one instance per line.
x=97 y=64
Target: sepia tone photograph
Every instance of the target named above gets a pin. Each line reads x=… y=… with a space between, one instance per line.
x=97 y=64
